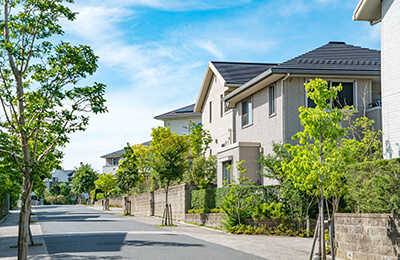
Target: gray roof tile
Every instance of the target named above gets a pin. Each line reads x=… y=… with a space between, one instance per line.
x=186 y=111
x=336 y=56
x=240 y=72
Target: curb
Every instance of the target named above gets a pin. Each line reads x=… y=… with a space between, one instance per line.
x=5 y=217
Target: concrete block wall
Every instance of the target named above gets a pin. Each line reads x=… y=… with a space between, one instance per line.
x=153 y=203
x=209 y=219
x=367 y=236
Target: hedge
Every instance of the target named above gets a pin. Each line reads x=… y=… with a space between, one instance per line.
x=213 y=198
x=374 y=186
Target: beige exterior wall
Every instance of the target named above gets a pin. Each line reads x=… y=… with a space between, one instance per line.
x=390 y=57
x=219 y=127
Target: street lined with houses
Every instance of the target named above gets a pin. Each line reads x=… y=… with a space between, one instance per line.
x=79 y=232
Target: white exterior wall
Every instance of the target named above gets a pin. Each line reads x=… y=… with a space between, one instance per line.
x=390 y=55
x=180 y=125
x=220 y=126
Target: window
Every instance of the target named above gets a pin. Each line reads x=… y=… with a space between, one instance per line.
x=221 y=106
x=271 y=100
x=115 y=161
x=346 y=97
x=247 y=112
x=227 y=172
x=210 y=114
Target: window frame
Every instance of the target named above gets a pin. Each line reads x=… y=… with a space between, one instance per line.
x=329 y=80
x=249 y=113
x=225 y=171
x=271 y=100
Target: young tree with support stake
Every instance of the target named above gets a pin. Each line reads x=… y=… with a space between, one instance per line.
x=168 y=161
x=130 y=171
x=318 y=163
x=41 y=101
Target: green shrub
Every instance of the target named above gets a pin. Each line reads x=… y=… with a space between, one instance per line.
x=213 y=198
x=204 y=211
x=50 y=200
x=374 y=186
x=61 y=199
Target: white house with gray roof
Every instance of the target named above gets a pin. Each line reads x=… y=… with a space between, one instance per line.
x=178 y=119
x=387 y=14
x=246 y=117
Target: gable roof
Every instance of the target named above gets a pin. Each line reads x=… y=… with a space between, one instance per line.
x=238 y=73
x=119 y=153
x=333 y=58
x=231 y=73
x=186 y=111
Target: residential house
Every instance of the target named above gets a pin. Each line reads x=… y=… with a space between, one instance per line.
x=178 y=119
x=253 y=114
x=387 y=13
x=112 y=160
x=59 y=176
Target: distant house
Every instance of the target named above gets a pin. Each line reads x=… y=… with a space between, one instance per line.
x=387 y=13
x=59 y=176
x=249 y=106
x=112 y=160
x=178 y=119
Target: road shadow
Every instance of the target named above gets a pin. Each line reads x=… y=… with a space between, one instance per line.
x=142 y=243
x=86 y=257
x=79 y=243
x=73 y=218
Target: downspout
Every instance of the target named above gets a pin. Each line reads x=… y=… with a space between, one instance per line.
x=234 y=125
x=283 y=108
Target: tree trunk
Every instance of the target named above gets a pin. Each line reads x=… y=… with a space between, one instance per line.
x=126 y=204
x=23 y=231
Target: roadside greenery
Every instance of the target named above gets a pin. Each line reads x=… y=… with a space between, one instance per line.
x=40 y=98
x=105 y=184
x=83 y=181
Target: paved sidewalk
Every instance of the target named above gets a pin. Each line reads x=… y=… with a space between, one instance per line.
x=268 y=247
x=9 y=237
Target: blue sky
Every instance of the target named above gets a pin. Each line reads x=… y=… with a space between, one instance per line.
x=153 y=54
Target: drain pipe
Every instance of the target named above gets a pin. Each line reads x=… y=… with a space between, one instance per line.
x=283 y=107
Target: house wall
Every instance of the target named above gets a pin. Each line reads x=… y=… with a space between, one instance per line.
x=180 y=125
x=220 y=126
x=390 y=45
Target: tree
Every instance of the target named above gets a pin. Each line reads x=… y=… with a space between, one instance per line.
x=106 y=183
x=318 y=163
x=41 y=101
x=203 y=170
x=130 y=171
x=83 y=181
x=168 y=161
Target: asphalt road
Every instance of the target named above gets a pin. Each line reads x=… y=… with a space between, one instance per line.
x=77 y=232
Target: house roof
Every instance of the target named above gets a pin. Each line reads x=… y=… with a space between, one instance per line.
x=368 y=10
x=119 y=153
x=238 y=73
x=187 y=111
x=333 y=58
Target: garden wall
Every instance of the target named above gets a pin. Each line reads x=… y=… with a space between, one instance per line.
x=209 y=219
x=367 y=236
x=153 y=203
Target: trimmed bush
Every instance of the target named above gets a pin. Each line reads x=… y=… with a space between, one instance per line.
x=213 y=198
x=374 y=186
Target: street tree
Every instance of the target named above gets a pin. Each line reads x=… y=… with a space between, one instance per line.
x=106 y=183
x=130 y=171
x=83 y=181
x=168 y=161
x=318 y=161
x=203 y=170
x=39 y=93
